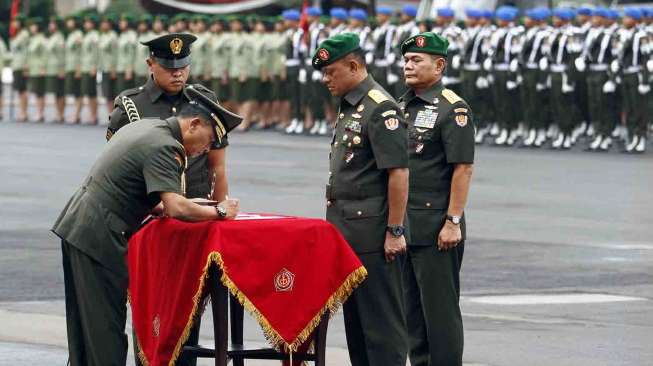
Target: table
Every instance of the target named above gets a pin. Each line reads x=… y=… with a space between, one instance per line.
x=290 y=273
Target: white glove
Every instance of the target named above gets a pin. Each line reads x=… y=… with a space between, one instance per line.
x=487 y=64
x=481 y=83
x=514 y=66
x=392 y=78
x=302 y=76
x=609 y=87
x=540 y=86
x=580 y=64
x=614 y=66
x=643 y=88
x=316 y=75
x=490 y=79
x=567 y=88
x=511 y=84
x=649 y=65
x=544 y=63
x=369 y=58
x=455 y=61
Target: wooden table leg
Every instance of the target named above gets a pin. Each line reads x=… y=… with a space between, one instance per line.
x=219 y=296
x=236 y=311
x=320 y=340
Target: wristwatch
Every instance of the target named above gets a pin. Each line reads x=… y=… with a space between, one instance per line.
x=222 y=212
x=396 y=230
x=454 y=219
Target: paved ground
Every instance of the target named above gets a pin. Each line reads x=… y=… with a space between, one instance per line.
x=543 y=226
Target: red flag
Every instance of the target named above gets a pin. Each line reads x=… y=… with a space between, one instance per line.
x=303 y=21
x=14 y=12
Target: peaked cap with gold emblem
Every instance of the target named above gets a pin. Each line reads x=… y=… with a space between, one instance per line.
x=171 y=50
x=223 y=120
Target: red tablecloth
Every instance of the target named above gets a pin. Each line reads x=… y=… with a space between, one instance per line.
x=286 y=271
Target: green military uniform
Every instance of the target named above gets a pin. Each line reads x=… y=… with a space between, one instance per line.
x=36 y=62
x=18 y=46
x=260 y=59
x=441 y=134
x=242 y=49
x=108 y=59
x=276 y=60
x=72 y=64
x=89 y=63
x=55 y=63
x=121 y=188
x=370 y=138
x=127 y=45
x=217 y=64
x=4 y=61
x=141 y=71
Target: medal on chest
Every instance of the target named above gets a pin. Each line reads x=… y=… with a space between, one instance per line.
x=426 y=118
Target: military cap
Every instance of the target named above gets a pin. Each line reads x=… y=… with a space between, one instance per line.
x=614 y=14
x=335 y=48
x=127 y=17
x=223 y=120
x=161 y=17
x=563 y=13
x=427 y=42
x=601 y=12
x=584 y=10
x=145 y=18
x=35 y=20
x=358 y=14
x=409 y=10
x=446 y=12
x=56 y=19
x=338 y=13
x=635 y=13
x=91 y=18
x=506 y=13
x=314 y=11
x=291 y=14
x=20 y=17
x=384 y=10
x=171 y=50
x=473 y=13
x=487 y=13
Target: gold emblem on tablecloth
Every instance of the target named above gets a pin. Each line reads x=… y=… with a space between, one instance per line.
x=156 y=325
x=176 y=45
x=284 y=281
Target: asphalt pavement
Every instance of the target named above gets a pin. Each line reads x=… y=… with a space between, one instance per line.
x=558 y=266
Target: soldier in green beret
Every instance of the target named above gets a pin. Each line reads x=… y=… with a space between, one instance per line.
x=5 y=57
x=218 y=59
x=55 y=74
x=73 y=64
x=126 y=53
x=276 y=47
x=89 y=64
x=366 y=199
x=36 y=65
x=441 y=150
x=159 y=24
x=107 y=45
x=198 y=72
x=141 y=71
x=18 y=46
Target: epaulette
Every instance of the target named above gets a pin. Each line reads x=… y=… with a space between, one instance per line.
x=377 y=96
x=450 y=96
x=132 y=91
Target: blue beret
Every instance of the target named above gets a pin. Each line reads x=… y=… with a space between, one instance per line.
x=359 y=14
x=473 y=13
x=446 y=12
x=409 y=10
x=634 y=13
x=584 y=10
x=314 y=11
x=338 y=13
x=506 y=13
x=545 y=13
x=291 y=14
x=487 y=14
x=385 y=10
x=601 y=12
x=563 y=13
x=613 y=14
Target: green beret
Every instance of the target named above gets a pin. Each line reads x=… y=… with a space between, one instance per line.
x=335 y=48
x=145 y=18
x=35 y=20
x=233 y=18
x=427 y=42
x=161 y=17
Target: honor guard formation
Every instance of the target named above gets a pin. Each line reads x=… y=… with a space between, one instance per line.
x=536 y=78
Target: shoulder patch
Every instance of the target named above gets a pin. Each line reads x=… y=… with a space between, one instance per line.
x=377 y=96
x=450 y=96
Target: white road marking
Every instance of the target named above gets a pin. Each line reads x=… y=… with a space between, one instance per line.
x=550 y=299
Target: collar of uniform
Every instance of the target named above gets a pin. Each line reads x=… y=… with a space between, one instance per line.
x=355 y=95
x=173 y=123
x=153 y=90
x=428 y=95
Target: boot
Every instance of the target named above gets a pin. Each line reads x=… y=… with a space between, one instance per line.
x=567 y=143
x=292 y=126
x=596 y=143
x=530 y=140
x=633 y=144
x=541 y=138
x=641 y=145
x=551 y=132
x=606 y=143
x=495 y=129
x=503 y=137
x=512 y=137
x=590 y=130
x=558 y=142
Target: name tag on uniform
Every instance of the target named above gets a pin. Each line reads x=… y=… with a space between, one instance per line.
x=426 y=118
x=354 y=126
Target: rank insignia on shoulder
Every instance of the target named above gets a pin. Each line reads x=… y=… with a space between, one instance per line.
x=450 y=96
x=461 y=120
x=391 y=112
x=391 y=124
x=360 y=108
x=377 y=96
